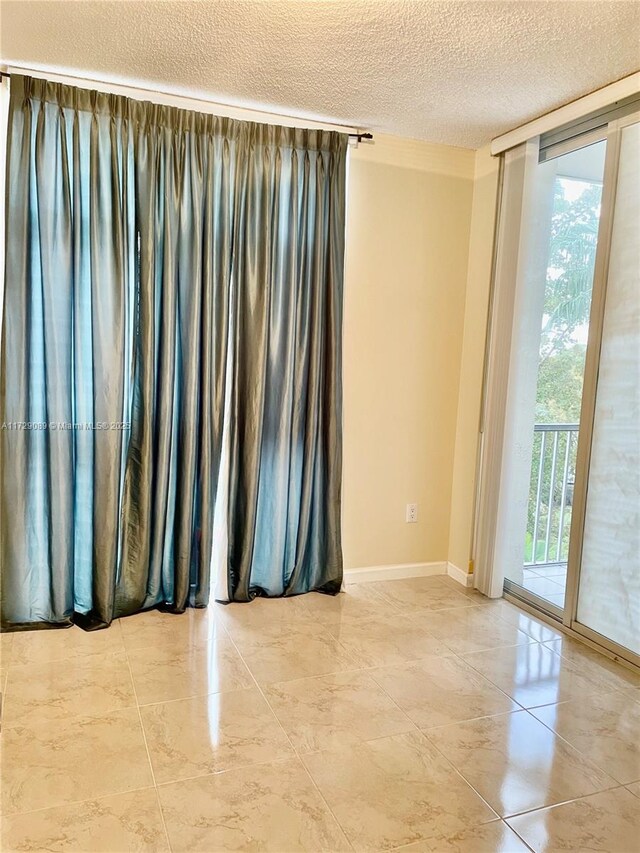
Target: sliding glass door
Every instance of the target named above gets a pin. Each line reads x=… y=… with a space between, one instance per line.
x=559 y=504
x=561 y=205
x=604 y=559
x=572 y=184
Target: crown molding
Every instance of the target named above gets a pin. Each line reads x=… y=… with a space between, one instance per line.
x=417 y=155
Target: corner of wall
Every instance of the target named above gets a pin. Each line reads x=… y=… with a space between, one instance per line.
x=479 y=268
x=409 y=206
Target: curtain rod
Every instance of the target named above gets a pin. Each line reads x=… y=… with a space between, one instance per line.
x=356 y=137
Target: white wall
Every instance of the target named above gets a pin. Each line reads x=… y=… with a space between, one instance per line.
x=409 y=208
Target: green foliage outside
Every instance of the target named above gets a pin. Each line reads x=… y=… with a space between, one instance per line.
x=571 y=259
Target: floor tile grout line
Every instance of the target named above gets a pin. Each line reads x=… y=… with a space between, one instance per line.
x=402 y=711
x=6 y=815
x=296 y=753
x=454 y=722
x=417 y=729
x=536 y=808
x=214 y=774
x=492 y=683
x=77 y=658
x=412 y=661
x=572 y=668
x=517 y=834
x=302 y=755
x=520 y=707
x=427 y=729
x=369 y=672
x=194 y=696
x=103 y=711
x=462 y=776
x=525 y=812
x=580 y=752
x=146 y=746
x=366 y=670
x=528 y=846
x=410 y=844
x=600 y=687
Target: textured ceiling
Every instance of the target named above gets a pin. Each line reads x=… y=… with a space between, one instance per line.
x=455 y=72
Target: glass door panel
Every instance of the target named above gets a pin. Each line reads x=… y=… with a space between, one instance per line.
x=562 y=232
x=608 y=600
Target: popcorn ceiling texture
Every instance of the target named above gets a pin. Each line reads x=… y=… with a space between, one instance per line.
x=452 y=72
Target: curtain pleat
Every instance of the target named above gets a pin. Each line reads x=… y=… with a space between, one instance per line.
x=162 y=265
x=283 y=515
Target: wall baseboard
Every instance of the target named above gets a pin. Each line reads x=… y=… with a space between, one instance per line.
x=459 y=575
x=394 y=572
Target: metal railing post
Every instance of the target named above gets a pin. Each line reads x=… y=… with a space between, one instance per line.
x=557 y=430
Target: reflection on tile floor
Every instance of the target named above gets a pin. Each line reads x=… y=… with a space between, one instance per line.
x=407 y=715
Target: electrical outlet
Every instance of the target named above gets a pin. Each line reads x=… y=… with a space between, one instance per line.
x=412 y=513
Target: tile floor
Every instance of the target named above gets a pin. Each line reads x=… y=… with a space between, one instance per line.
x=404 y=715
x=549 y=582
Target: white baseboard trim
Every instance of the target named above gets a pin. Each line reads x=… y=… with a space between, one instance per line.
x=459 y=575
x=394 y=572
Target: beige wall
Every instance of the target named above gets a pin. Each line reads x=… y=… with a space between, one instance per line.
x=409 y=209
x=471 y=367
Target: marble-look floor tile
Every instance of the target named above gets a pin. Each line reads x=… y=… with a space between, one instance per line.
x=57 y=690
x=163 y=631
x=516 y=763
x=330 y=711
x=248 y=636
x=416 y=594
x=207 y=734
x=474 y=595
x=494 y=837
x=294 y=654
x=632 y=693
x=635 y=788
x=537 y=629
x=6 y=648
x=64 y=643
x=471 y=629
x=252 y=623
x=162 y=674
x=79 y=758
x=264 y=617
x=606 y=728
x=121 y=822
x=356 y=603
x=532 y=675
x=394 y=791
x=393 y=639
x=608 y=822
x=593 y=665
x=437 y=691
x=270 y=807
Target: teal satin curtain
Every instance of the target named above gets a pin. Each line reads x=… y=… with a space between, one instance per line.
x=145 y=257
x=285 y=397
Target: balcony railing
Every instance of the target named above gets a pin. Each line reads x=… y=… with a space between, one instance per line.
x=551 y=494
